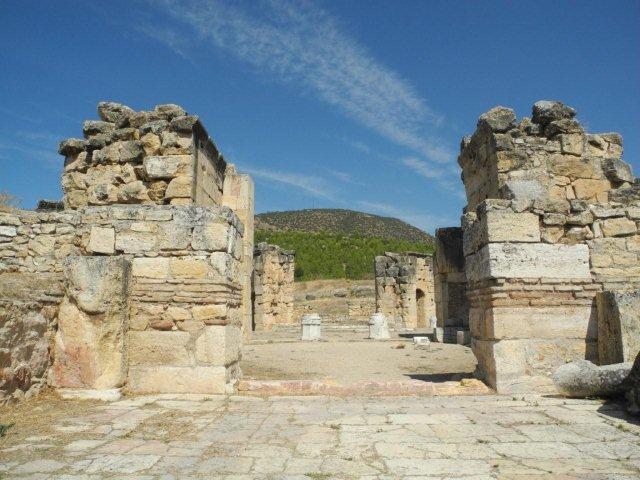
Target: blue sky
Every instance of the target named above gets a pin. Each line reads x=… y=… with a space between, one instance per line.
x=336 y=104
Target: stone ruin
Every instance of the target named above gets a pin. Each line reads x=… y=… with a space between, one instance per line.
x=552 y=219
x=450 y=284
x=405 y=289
x=143 y=279
x=273 y=275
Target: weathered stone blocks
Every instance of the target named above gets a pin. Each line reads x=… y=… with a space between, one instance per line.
x=618 y=326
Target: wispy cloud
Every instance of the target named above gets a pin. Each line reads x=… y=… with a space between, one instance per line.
x=169 y=37
x=310 y=184
x=423 y=221
x=423 y=168
x=303 y=44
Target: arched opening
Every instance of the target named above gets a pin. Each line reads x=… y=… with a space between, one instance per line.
x=421 y=309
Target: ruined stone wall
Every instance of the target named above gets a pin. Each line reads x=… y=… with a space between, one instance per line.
x=152 y=296
x=405 y=289
x=273 y=276
x=450 y=283
x=239 y=197
x=159 y=157
x=551 y=220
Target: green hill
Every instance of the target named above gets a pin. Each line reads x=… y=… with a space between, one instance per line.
x=333 y=252
x=341 y=222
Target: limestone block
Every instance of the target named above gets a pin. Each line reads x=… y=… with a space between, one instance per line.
x=211 y=237
x=177 y=313
x=89 y=344
x=160 y=348
x=522 y=322
x=175 y=379
x=572 y=144
x=157 y=267
x=423 y=343
x=42 y=244
x=135 y=242
x=618 y=326
x=102 y=240
x=167 y=167
x=188 y=268
x=523 y=260
x=590 y=189
x=150 y=143
x=212 y=313
x=179 y=187
x=8 y=231
x=616 y=170
x=615 y=227
x=218 y=345
x=501 y=226
x=175 y=235
x=526 y=365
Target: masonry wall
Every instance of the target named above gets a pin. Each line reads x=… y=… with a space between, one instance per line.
x=151 y=295
x=273 y=276
x=551 y=220
x=398 y=278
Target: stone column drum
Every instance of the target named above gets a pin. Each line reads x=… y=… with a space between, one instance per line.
x=311 y=326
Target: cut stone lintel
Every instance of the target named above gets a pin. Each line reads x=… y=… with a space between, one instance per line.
x=528 y=260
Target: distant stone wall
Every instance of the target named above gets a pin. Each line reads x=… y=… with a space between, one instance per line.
x=405 y=289
x=452 y=307
x=339 y=302
x=273 y=275
x=552 y=218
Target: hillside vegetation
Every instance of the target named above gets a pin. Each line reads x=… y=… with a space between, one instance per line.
x=328 y=255
x=341 y=222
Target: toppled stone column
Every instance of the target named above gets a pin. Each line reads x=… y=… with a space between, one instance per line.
x=618 y=326
x=311 y=327
x=273 y=276
x=584 y=379
x=404 y=289
x=378 y=327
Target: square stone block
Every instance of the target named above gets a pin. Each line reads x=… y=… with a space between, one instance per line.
x=189 y=268
x=172 y=379
x=218 y=345
x=151 y=267
x=150 y=347
x=102 y=240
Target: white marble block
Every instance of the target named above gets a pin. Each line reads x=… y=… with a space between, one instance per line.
x=378 y=327
x=311 y=326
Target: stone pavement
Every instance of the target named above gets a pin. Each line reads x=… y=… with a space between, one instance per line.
x=242 y=437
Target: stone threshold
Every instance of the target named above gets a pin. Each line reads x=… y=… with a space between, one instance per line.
x=467 y=386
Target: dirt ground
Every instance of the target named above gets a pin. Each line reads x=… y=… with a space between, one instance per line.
x=349 y=357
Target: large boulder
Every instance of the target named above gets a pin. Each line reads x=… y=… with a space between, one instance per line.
x=584 y=379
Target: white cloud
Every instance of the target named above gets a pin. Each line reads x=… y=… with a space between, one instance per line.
x=312 y=185
x=423 y=168
x=303 y=44
x=424 y=221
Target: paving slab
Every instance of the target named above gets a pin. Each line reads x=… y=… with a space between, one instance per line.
x=320 y=437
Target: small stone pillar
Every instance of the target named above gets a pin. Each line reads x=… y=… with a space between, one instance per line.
x=311 y=326
x=378 y=327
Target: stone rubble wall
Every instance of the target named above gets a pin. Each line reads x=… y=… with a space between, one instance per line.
x=398 y=276
x=450 y=283
x=552 y=218
x=164 y=156
x=273 y=276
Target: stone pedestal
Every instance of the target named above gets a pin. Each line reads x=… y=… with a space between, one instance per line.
x=378 y=327
x=311 y=326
